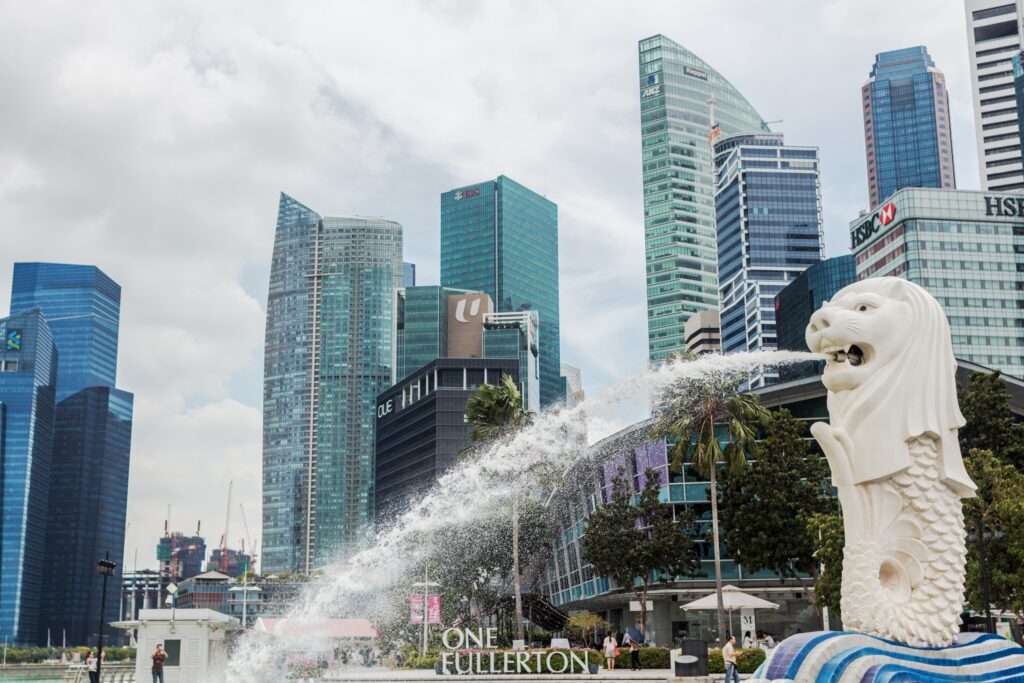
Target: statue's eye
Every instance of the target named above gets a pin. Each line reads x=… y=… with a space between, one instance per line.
x=863 y=307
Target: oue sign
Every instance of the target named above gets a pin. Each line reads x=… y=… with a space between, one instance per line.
x=385 y=408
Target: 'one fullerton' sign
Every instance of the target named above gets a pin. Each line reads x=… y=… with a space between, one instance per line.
x=459 y=659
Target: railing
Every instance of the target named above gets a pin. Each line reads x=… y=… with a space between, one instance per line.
x=112 y=672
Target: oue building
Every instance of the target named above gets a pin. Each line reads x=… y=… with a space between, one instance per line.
x=965 y=248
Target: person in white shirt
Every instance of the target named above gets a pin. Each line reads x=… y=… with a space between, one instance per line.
x=729 y=656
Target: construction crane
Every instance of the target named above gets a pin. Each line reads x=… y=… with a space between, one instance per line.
x=252 y=546
x=224 y=538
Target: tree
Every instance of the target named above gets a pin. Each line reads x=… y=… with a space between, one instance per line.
x=496 y=412
x=990 y=426
x=585 y=623
x=827 y=534
x=773 y=500
x=632 y=541
x=997 y=512
x=701 y=414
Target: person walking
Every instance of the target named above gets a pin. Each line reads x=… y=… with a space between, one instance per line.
x=90 y=666
x=611 y=650
x=729 y=656
x=634 y=653
x=159 y=656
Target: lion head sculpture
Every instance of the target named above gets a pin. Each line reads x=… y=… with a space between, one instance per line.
x=891 y=376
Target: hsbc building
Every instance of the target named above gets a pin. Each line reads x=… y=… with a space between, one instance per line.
x=967 y=249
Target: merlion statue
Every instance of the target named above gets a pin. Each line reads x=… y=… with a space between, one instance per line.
x=895 y=459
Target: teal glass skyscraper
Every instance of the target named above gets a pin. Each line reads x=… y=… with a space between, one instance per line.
x=501 y=238
x=328 y=354
x=679 y=185
x=28 y=377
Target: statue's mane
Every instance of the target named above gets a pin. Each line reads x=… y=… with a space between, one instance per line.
x=914 y=394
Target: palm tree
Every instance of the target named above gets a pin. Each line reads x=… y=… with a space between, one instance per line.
x=496 y=412
x=701 y=414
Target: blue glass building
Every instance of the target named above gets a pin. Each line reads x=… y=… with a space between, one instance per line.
x=679 y=185
x=907 y=138
x=28 y=378
x=768 y=208
x=1018 y=93
x=91 y=441
x=501 y=238
x=83 y=308
x=328 y=354
x=408 y=274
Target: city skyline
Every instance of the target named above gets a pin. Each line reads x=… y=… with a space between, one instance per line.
x=193 y=251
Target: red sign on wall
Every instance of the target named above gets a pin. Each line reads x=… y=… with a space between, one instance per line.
x=433 y=609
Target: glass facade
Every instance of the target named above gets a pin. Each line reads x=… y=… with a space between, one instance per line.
x=28 y=379
x=88 y=480
x=501 y=238
x=87 y=509
x=328 y=354
x=679 y=186
x=1018 y=91
x=422 y=428
x=906 y=124
x=83 y=308
x=514 y=335
x=408 y=274
x=967 y=249
x=768 y=208
x=422 y=327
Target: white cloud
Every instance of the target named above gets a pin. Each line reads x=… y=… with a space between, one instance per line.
x=152 y=140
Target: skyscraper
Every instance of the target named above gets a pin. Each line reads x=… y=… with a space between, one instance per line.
x=82 y=306
x=422 y=324
x=768 y=208
x=88 y=484
x=28 y=378
x=907 y=137
x=679 y=186
x=408 y=274
x=328 y=353
x=993 y=36
x=501 y=238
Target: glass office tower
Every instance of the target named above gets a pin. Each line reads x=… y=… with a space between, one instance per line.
x=907 y=138
x=88 y=486
x=28 y=378
x=768 y=209
x=501 y=238
x=82 y=305
x=328 y=354
x=679 y=186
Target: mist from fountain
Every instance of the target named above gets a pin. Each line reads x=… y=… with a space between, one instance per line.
x=532 y=463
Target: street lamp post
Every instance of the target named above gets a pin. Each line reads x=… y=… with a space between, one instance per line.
x=106 y=569
x=426 y=595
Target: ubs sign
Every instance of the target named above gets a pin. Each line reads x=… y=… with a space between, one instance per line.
x=871 y=227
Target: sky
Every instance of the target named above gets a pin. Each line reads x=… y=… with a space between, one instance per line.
x=153 y=140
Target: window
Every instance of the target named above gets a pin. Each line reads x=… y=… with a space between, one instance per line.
x=173 y=649
x=995 y=31
x=990 y=12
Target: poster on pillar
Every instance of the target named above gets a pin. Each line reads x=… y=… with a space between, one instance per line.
x=747 y=625
x=433 y=609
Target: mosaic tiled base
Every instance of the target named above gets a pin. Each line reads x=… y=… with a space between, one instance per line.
x=842 y=657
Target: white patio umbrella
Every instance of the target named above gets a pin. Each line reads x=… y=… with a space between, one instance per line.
x=732 y=598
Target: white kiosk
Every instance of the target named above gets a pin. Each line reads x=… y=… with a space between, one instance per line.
x=193 y=638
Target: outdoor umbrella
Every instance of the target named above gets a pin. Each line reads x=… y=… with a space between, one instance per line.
x=732 y=598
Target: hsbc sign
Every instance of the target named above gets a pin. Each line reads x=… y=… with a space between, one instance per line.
x=871 y=227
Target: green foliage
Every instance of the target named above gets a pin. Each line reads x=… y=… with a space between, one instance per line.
x=650 y=658
x=998 y=509
x=990 y=426
x=747 y=661
x=779 y=491
x=496 y=410
x=826 y=533
x=631 y=541
x=585 y=625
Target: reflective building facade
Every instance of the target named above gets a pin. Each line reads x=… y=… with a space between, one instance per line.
x=768 y=210
x=965 y=248
x=328 y=354
x=679 y=185
x=907 y=136
x=88 y=484
x=501 y=238
x=28 y=378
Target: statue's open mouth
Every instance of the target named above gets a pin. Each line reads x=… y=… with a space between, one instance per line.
x=850 y=353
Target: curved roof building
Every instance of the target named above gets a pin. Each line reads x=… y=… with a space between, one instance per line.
x=679 y=186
